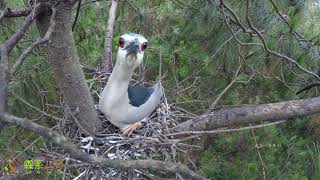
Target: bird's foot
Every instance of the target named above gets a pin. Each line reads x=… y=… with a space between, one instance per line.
x=128 y=131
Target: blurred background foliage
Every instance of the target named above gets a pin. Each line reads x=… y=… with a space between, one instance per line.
x=200 y=58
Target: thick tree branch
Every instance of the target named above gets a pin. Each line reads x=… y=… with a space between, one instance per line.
x=107 y=50
x=248 y=114
x=76 y=153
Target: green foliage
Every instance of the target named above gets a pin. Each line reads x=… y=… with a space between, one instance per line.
x=293 y=20
x=235 y=155
x=314 y=152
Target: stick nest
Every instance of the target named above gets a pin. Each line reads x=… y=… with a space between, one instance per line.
x=148 y=142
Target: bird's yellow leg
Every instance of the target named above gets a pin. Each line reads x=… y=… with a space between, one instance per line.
x=128 y=131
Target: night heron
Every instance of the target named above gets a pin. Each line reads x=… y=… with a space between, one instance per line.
x=125 y=106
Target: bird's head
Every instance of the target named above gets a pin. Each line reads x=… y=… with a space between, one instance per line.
x=131 y=49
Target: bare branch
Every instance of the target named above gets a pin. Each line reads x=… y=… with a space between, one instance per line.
x=107 y=51
x=77 y=15
x=35 y=108
x=234 y=80
x=278 y=12
x=286 y=21
x=246 y=114
x=223 y=6
x=76 y=153
x=40 y=41
x=237 y=21
x=3 y=80
x=13 y=40
x=16 y=12
x=308 y=87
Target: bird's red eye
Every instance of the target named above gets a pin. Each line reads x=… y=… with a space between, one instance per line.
x=121 y=42
x=144 y=46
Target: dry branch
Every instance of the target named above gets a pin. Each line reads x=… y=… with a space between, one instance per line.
x=13 y=40
x=4 y=70
x=35 y=108
x=16 y=12
x=308 y=87
x=77 y=15
x=234 y=80
x=107 y=51
x=40 y=41
x=76 y=153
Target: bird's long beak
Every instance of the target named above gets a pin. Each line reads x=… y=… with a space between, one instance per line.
x=133 y=48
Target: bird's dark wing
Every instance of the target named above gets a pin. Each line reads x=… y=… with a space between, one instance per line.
x=139 y=94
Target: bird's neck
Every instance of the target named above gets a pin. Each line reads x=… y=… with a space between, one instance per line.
x=120 y=78
x=121 y=73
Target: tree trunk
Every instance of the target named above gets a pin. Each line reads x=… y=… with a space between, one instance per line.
x=62 y=56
